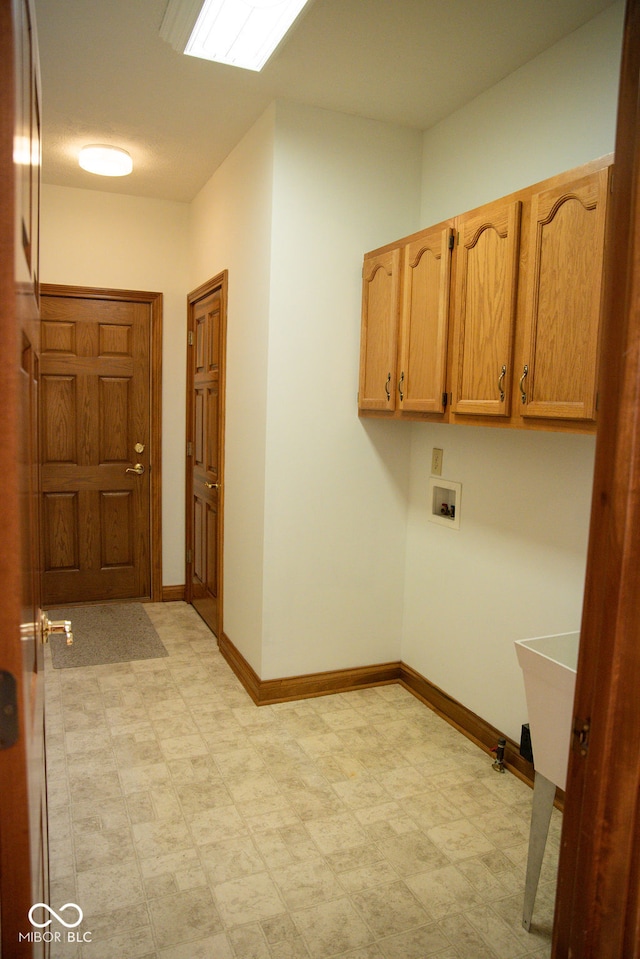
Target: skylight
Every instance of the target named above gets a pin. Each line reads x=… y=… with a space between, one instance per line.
x=240 y=33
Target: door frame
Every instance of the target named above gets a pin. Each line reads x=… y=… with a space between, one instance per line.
x=598 y=891
x=155 y=302
x=24 y=869
x=218 y=282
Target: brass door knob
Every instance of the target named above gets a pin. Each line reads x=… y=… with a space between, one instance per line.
x=138 y=468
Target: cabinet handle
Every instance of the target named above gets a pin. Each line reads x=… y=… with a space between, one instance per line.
x=386 y=387
x=503 y=373
x=523 y=394
x=400 y=387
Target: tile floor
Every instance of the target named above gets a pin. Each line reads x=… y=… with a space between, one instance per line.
x=189 y=824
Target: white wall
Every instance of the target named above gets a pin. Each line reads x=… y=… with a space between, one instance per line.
x=335 y=505
x=556 y=112
x=98 y=239
x=315 y=501
x=513 y=570
x=516 y=566
x=231 y=230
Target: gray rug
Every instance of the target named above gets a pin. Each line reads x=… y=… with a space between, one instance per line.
x=118 y=633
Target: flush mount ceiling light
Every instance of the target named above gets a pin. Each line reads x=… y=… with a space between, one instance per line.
x=241 y=33
x=105 y=160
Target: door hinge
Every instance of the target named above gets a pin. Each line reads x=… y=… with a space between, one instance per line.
x=452 y=241
x=190 y=338
x=445 y=398
x=8 y=710
x=581 y=731
x=188 y=556
x=189 y=449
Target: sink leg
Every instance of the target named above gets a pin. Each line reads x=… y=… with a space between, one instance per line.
x=544 y=793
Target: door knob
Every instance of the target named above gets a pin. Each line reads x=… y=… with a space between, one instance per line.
x=212 y=485
x=62 y=626
x=138 y=468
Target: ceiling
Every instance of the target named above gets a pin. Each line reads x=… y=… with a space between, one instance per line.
x=108 y=77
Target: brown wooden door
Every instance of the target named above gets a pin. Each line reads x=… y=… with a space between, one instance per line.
x=564 y=299
x=96 y=433
x=425 y=317
x=485 y=309
x=23 y=818
x=205 y=450
x=379 y=335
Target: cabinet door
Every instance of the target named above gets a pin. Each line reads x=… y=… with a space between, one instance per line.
x=425 y=314
x=566 y=247
x=378 y=343
x=484 y=310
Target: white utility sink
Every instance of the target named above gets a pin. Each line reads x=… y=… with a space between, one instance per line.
x=549 y=666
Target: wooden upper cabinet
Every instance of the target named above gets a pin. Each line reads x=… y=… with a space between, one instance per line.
x=379 y=336
x=563 y=299
x=424 y=324
x=485 y=308
x=506 y=320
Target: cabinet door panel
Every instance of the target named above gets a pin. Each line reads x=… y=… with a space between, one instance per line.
x=484 y=312
x=423 y=355
x=563 y=299
x=378 y=344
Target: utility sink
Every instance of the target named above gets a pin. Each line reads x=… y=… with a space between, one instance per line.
x=549 y=666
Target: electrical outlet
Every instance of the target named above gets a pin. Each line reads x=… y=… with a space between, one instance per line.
x=436 y=462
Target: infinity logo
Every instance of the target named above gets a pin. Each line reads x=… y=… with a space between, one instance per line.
x=67 y=905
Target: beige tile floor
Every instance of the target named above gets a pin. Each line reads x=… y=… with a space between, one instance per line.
x=190 y=824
